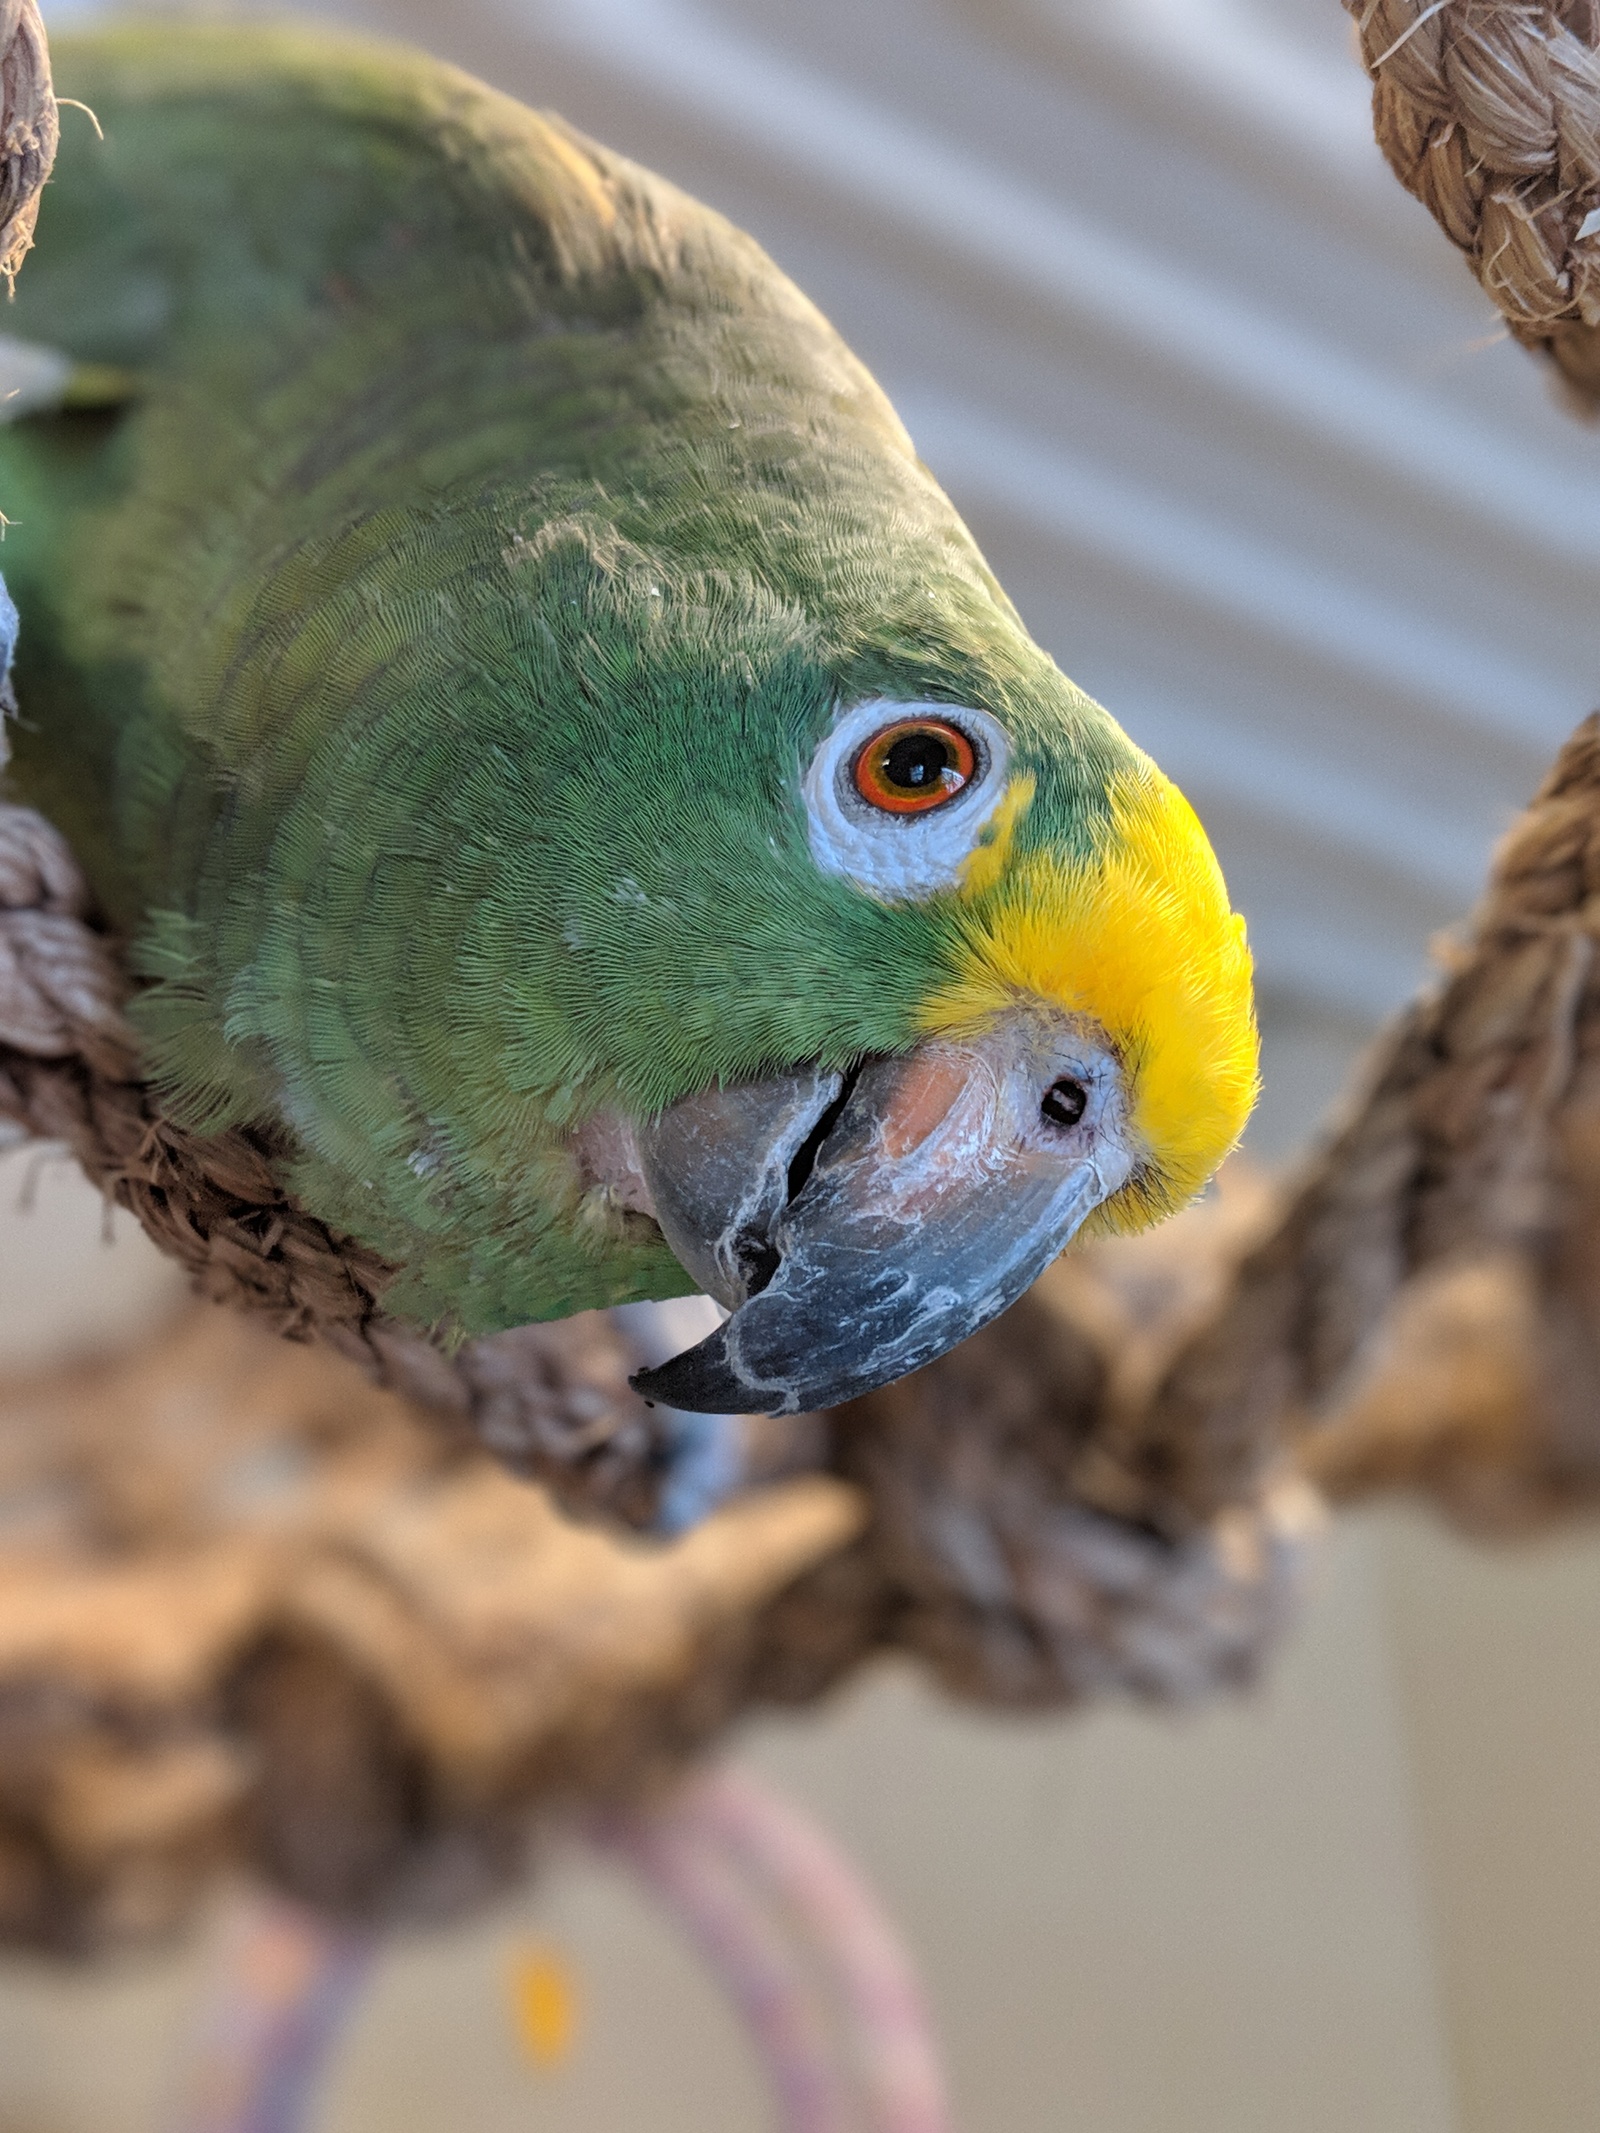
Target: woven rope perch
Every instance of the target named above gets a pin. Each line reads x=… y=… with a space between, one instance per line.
x=254 y=1609
x=1489 y=112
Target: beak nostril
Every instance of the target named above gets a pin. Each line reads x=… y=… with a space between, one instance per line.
x=1064 y=1102
x=758 y=1262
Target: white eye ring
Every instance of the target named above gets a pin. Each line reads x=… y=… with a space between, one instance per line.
x=900 y=857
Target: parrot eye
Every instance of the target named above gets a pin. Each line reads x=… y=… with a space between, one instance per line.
x=914 y=765
x=897 y=795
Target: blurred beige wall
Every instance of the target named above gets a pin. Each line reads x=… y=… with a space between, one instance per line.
x=75 y=1274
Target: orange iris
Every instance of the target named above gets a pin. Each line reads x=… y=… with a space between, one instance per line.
x=914 y=766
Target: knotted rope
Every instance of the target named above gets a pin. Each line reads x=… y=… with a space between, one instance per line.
x=1489 y=112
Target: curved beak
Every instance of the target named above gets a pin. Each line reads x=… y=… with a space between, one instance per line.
x=859 y=1225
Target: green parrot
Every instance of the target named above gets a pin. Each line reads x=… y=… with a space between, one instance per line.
x=551 y=751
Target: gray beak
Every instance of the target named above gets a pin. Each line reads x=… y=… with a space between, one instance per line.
x=859 y=1225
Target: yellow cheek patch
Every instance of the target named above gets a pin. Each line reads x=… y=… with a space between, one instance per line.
x=1142 y=938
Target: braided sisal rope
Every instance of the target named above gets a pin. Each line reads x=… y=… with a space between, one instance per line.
x=1489 y=112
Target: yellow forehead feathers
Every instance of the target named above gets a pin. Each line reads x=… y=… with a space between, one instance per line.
x=1142 y=938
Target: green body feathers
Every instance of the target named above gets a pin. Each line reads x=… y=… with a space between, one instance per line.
x=424 y=660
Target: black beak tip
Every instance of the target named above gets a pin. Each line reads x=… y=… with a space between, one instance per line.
x=701 y=1381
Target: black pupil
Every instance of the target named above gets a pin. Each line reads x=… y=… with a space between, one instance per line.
x=1065 y=1102
x=916 y=762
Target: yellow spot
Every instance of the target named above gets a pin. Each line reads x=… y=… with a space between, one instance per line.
x=1141 y=938
x=544 y=2005
x=987 y=860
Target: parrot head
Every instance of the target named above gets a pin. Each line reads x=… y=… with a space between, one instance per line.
x=958 y=956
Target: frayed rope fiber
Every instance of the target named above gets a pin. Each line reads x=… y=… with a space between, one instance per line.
x=1489 y=112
